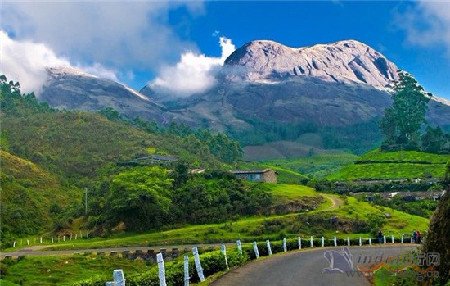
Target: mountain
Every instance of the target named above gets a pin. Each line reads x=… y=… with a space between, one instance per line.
x=266 y=92
x=349 y=62
x=71 y=88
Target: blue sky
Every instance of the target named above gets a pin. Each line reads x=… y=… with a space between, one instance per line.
x=298 y=24
x=136 y=42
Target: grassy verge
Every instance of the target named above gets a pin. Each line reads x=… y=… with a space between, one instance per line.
x=353 y=218
x=65 y=270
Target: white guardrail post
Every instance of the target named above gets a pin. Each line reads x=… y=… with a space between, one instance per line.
x=198 y=265
x=223 y=249
x=161 y=269
x=186 y=271
x=239 y=246
x=299 y=243
x=255 y=249
x=269 y=248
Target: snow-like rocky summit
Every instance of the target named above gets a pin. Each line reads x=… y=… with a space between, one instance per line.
x=346 y=61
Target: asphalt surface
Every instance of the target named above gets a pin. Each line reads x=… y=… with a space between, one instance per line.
x=307 y=268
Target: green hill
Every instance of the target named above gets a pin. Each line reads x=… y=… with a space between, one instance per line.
x=31 y=198
x=47 y=155
x=77 y=145
x=378 y=165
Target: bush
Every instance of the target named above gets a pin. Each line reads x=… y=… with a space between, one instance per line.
x=212 y=262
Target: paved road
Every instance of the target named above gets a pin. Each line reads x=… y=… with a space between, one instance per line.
x=306 y=268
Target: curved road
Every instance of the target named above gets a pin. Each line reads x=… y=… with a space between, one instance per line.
x=306 y=268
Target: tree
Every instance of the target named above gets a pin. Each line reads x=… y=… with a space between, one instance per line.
x=140 y=198
x=433 y=140
x=401 y=123
x=180 y=175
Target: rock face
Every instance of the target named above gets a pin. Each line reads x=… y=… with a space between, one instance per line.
x=70 y=88
x=347 y=62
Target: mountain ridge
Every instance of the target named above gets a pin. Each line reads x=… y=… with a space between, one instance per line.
x=347 y=61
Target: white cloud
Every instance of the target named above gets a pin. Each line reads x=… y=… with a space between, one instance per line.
x=100 y=71
x=26 y=62
x=193 y=73
x=427 y=23
x=125 y=35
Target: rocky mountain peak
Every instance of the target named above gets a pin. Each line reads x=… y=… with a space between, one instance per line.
x=347 y=61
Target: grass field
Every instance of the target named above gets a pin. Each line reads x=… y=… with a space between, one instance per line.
x=377 y=165
x=286 y=192
x=269 y=227
x=64 y=270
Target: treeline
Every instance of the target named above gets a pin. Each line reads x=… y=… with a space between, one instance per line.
x=358 y=138
x=404 y=125
x=150 y=197
x=219 y=144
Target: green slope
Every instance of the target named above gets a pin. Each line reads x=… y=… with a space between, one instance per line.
x=31 y=197
x=377 y=165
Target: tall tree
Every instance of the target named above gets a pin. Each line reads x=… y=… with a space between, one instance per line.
x=402 y=121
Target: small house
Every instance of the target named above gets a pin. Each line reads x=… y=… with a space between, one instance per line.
x=266 y=176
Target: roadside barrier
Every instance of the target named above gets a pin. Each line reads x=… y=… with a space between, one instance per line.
x=253 y=252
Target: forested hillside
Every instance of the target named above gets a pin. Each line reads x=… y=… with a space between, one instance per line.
x=31 y=198
x=49 y=156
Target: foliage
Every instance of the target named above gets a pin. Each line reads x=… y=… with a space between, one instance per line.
x=44 y=197
x=212 y=262
x=140 y=198
x=401 y=123
x=438 y=234
x=203 y=200
x=145 y=198
x=423 y=208
x=218 y=144
x=357 y=137
x=434 y=140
